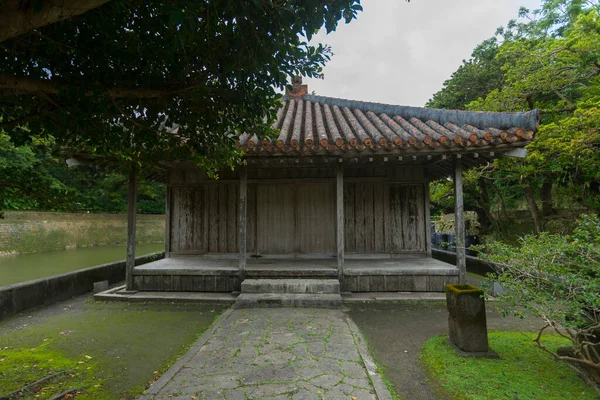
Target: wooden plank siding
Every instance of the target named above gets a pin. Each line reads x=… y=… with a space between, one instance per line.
x=384 y=218
x=384 y=212
x=295 y=218
x=204 y=219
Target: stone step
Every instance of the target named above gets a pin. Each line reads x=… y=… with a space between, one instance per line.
x=298 y=286
x=267 y=272
x=272 y=300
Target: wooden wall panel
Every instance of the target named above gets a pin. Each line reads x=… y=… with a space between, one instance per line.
x=315 y=218
x=408 y=224
x=295 y=218
x=204 y=219
x=384 y=218
x=276 y=225
x=349 y=218
x=251 y=221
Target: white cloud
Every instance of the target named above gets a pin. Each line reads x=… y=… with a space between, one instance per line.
x=401 y=53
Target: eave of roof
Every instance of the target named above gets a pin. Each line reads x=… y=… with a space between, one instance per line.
x=321 y=125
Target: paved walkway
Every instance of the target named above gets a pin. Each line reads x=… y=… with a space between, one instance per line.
x=279 y=353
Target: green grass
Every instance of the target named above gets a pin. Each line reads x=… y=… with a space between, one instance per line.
x=106 y=350
x=523 y=372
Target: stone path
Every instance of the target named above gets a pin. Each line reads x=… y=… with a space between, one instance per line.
x=282 y=353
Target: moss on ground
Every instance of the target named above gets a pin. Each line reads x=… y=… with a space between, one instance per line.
x=106 y=350
x=523 y=372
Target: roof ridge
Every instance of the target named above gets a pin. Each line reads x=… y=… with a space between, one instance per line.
x=480 y=119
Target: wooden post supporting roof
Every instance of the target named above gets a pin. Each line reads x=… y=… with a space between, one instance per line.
x=168 y=223
x=340 y=219
x=459 y=221
x=243 y=211
x=427 y=218
x=131 y=222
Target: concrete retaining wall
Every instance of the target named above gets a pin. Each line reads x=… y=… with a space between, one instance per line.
x=44 y=291
x=31 y=232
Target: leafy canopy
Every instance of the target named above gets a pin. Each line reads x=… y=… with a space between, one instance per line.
x=548 y=59
x=556 y=278
x=118 y=79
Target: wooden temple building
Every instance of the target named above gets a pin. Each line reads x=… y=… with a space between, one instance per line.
x=341 y=193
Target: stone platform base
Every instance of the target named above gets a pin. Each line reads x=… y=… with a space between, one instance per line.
x=202 y=274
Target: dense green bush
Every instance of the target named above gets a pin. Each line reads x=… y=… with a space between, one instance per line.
x=556 y=278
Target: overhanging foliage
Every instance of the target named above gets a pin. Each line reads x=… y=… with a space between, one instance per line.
x=117 y=79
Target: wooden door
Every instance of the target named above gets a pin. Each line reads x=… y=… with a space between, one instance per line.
x=295 y=218
x=315 y=218
x=275 y=219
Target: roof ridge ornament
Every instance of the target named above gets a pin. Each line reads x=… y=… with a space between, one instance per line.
x=298 y=89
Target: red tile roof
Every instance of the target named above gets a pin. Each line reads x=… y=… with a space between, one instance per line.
x=326 y=125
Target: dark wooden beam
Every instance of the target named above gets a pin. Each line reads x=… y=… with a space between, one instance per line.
x=340 y=219
x=459 y=221
x=168 y=222
x=131 y=221
x=243 y=218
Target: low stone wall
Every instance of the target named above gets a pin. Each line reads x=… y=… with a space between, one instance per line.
x=31 y=232
x=39 y=292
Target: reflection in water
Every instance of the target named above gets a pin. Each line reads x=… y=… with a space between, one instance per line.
x=25 y=267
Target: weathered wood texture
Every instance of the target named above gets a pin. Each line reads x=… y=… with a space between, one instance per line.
x=295 y=218
x=459 y=221
x=339 y=218
x=396 y=283
x=383 y=211
x=384 y=218
x=243 y=221
x=186 y=283
x=204 y=219
x=131 y=225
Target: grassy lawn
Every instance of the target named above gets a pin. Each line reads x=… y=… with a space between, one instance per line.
x=523 y=372
x=104 y=350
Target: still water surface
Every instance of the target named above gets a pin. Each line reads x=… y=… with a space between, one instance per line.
x=25 y=267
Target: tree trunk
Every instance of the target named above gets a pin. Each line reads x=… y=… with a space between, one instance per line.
x=533 y=208
x=547 y=203
x=503 y=212
x=484 y=204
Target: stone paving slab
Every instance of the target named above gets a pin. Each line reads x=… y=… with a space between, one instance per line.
x=284 y=353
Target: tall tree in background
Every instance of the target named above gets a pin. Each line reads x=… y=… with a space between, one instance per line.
x=142 y=80
x=550 y=60
x=118 y=79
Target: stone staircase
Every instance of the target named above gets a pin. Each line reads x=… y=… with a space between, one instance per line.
x=322 y=293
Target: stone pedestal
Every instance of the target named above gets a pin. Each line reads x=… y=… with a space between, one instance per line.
x=466 y=320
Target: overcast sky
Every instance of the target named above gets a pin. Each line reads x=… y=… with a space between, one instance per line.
x=401 y=53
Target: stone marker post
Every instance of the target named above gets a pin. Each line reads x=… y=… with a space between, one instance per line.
x=466 y=320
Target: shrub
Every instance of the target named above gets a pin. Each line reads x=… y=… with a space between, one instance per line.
x=445 y=224
x=556 y=278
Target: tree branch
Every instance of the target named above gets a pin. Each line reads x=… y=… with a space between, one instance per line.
x=18 y=17
x=21 y=84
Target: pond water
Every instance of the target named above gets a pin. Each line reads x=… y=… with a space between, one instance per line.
x=24 y=267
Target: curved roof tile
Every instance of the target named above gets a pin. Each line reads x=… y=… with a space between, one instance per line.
x=318 y=124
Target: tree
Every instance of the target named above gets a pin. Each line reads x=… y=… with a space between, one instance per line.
x=26 y=178
x=547 y=60
x=142 y=80
x=475 y=78
x=556 y=278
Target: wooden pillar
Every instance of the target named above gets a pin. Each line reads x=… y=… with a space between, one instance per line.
x=340 y=219
x=427 y=218
x=131 y=221
x=459 y=221
x=243 y=217
x=168 y=222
